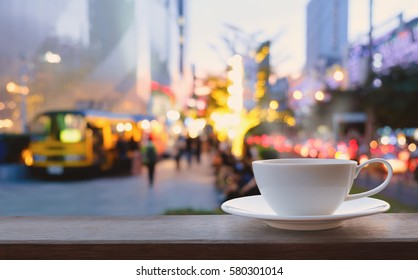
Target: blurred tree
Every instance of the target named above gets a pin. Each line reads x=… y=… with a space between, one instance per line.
x=257 y=70
x=395 y=101
x=392 y=99
x=218 y=97
x=262 y=87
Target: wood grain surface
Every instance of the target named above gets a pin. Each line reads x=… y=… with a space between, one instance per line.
x=382 y=236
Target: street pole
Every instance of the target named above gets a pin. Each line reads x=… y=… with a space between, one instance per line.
x=370 y=62
x=24 y=80
x=370 y=114
x=24 y=116
x=181 y=22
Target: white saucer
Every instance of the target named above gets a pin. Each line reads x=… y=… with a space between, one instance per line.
x=256 y=207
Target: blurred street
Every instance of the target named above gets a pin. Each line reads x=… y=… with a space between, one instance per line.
x=403 y=189
x=186 y=189
x=125 y=195
x=108 y=86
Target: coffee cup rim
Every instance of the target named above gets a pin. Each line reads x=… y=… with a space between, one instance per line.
x=304 y=161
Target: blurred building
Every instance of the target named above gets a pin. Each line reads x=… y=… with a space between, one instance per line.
x=108 y=21
x=112 y=54
x=123 y=56
x=25 y=26
x=142 y=66
x=326 y=33
x=326 y=48
x=397 y=47
x=163 y=43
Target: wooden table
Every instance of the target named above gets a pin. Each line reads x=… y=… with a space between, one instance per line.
x=382 y=236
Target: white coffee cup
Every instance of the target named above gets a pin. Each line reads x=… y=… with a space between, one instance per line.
x=306 y=187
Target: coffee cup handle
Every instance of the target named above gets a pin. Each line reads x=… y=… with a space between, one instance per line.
x=378 y=188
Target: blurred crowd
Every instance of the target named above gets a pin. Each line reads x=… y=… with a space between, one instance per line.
x=233 y=176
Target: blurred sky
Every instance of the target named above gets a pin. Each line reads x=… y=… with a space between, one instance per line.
x=207 y=21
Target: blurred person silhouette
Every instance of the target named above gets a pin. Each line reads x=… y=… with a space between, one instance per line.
x=198 y=148
x=179 y=150
x=135 y=154
x=244 y=183
x=122 y=155
x=224 y=163
x=150 y=158
x=189 y=149
x=3 y=150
